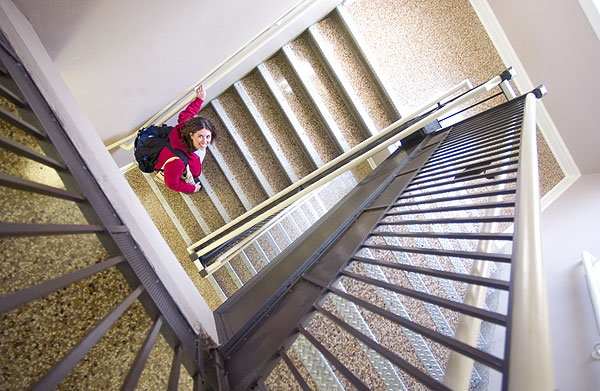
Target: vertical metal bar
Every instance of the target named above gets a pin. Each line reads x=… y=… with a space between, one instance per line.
x=137 y=367
x=294 y=370
x=356 y=382
x=173 y=383
x=19 y=123
x=16 y=299
x=67 y=363
x=34 y=187
x=29 y=153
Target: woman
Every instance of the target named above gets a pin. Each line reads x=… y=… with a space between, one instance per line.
x=191 y=135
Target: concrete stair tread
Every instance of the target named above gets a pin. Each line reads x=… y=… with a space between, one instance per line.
x=298 y=101
x=277 y=124
x=247 y=135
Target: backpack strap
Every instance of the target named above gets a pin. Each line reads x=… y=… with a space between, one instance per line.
x=179 y=153
x=160 y=174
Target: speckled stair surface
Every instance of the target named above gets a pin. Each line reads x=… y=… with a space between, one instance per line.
x=36 y=335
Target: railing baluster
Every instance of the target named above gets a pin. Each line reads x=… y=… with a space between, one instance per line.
x=68 y=362
x=398 y=361
x=24 y=296
x=5 y=92
x=455 y=189
x=456 y=198
x=356 y=382
x=455 y=306
x=175 y=369
x=467 y=278
x=34 y=187
x=455 y=220
x=471 y=157
x=446 y=235
x=20 y=229
x=137 y=367
x=469 y=171
x=459 y=179
x=28 y=153
x=419 y=178
x=294 y=370
x=487 y=205
x=23 y=125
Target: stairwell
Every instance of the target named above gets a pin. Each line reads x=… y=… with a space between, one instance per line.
x=312 y=100
x=318 y=96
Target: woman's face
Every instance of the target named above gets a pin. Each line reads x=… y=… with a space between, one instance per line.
x=201 y=138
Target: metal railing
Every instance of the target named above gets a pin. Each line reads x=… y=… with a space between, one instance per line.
x=529 y=353
x=395 y=132
x=72 y=213
x=395 y=244
x=231 y=250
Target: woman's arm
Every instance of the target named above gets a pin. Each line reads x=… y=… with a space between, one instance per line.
x=194 y=107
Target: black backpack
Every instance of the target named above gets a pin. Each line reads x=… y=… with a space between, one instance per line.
x=148 y=144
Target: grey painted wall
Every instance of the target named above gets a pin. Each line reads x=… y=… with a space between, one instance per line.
x=558 y=47
x=571 y=225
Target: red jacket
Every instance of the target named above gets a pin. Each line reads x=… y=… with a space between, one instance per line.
x=175 y=168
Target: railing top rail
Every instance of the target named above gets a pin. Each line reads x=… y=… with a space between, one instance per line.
x=529 y=350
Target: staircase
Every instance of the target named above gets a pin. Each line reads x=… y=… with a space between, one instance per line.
x=315 y=98
x=386 y=319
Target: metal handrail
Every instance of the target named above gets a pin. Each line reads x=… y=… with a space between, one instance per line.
x=485 y=87
x=234 y=250
x=529 y=353
x=593 y=284
x=170 y=109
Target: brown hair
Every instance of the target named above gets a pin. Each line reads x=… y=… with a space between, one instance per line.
x=192 y=126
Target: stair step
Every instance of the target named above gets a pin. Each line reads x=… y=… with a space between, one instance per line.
x=346 y=130
x=221 y=193
x=305 y=119
x=168 y=230
x=274 y=145
x=231 y=155
x=250 y=141
x=348 y=29
x=324 y=48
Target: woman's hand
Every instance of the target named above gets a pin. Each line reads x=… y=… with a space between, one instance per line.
x=200 y=93
x=198 y=186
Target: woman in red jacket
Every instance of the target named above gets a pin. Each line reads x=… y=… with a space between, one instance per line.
x=191 y=135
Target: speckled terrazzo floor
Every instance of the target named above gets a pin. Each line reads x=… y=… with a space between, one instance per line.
x=35 y=336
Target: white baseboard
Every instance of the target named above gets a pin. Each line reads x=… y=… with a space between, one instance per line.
x=127 y=167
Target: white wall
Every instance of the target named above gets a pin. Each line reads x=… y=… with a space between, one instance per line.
x=558 y=47
x=125 y=60
x=572 y=224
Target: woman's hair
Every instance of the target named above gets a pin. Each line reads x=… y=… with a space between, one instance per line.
x=192 y=126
